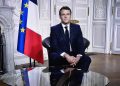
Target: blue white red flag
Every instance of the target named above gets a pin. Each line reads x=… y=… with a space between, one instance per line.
x=29 y=38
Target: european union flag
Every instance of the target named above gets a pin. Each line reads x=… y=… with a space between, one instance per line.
x=22 y=26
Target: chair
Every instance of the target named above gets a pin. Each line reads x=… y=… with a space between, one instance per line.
x=46 y=44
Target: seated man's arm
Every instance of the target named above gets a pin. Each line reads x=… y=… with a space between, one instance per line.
x=54 y=42
x=80 y=43
x=80 y=46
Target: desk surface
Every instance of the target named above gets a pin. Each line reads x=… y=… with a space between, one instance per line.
x=39 y=77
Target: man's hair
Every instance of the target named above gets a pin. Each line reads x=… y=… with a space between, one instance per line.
x=64 y=8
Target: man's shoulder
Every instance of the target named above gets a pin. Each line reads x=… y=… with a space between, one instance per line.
x=76 y=25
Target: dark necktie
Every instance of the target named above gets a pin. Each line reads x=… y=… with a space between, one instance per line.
x=67 y=38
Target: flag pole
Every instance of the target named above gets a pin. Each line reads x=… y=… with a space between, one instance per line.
x=30 y=63
x=34 y=63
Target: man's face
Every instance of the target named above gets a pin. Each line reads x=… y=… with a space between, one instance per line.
x=65 y=16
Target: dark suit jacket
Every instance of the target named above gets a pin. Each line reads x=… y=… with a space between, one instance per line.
x=58 y=42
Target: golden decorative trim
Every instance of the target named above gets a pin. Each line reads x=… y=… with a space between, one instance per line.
x=74 y=21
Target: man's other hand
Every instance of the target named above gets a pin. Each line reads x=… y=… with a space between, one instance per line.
x=76 y=61
x=70 y=59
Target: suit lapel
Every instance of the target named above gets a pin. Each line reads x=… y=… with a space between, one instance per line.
x=71 y=33
x=62 y=34
x=61 y=31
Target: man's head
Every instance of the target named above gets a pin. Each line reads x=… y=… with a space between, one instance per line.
x=65 y=14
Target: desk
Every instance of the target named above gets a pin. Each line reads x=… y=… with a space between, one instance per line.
x=40 y=77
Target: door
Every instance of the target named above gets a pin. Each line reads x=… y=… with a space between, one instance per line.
x=99 y=25
x=116 y=28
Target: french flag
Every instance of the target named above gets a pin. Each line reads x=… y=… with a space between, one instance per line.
x=29 y=38
x=31 y=76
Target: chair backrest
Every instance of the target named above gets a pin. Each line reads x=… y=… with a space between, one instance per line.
x=46 y=43
x=86 y=43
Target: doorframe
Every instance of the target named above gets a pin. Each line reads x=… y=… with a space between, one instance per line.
x=90 y=20
x=109 y=27
x=52 y=5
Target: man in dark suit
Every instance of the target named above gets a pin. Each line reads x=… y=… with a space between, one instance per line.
x=66 y=42
x=67 y=48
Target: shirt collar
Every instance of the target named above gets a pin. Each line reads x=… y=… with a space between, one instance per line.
x=63 y=25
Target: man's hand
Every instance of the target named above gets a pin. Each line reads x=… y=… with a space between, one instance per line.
x=76 y=61
x=70 y=59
